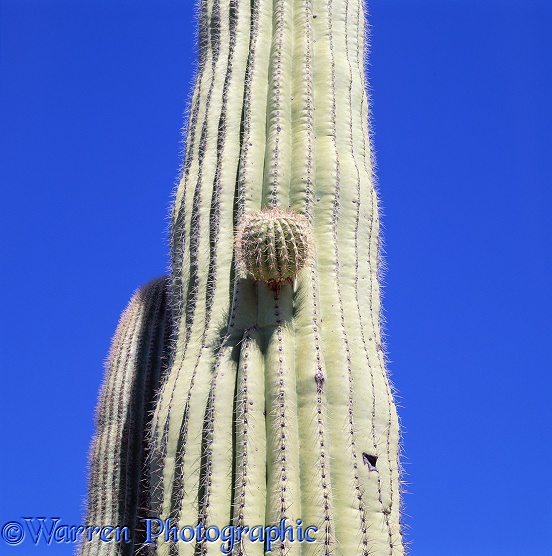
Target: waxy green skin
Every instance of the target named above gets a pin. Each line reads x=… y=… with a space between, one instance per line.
x=276 y=402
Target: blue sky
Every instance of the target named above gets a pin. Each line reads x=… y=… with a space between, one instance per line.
x=92 y=97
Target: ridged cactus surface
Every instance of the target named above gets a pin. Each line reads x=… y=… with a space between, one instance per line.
x=276 y=404
x=119 y=484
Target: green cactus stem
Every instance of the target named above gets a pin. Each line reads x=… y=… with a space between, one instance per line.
x=277 y=404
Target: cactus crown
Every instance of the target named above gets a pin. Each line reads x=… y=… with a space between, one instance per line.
x=273 y=245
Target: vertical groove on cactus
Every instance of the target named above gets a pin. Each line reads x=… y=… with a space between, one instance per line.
x=224 y=368
x=302 y=162
x=178 y=484
x=178 y=231
x=119 y=484
x=250 y=442
x=251 y=165
x=278 y=152
x=276 y=404
x=283 y=481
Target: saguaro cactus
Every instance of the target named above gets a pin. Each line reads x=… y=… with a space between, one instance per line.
x=276 y=403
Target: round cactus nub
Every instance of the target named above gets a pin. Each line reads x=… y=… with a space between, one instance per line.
x=273 y=245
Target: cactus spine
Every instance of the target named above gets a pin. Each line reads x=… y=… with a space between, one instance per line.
x=276 y=403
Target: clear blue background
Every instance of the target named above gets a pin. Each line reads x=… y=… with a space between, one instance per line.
x=93 y=94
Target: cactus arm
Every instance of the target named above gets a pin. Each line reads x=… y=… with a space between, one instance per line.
x=118 y=482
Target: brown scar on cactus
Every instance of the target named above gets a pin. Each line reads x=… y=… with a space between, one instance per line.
x=273 y=245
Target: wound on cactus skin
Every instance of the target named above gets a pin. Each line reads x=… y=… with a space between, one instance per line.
x=273 y=245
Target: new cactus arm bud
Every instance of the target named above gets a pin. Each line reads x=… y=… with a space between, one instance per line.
x=273 y=245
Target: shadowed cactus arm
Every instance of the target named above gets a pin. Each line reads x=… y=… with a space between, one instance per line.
x=119 y=482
